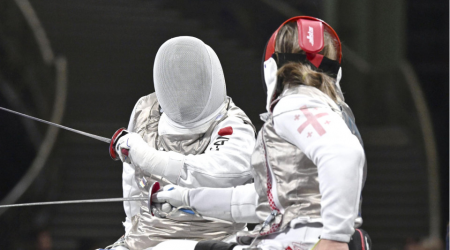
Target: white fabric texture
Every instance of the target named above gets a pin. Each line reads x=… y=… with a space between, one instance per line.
x=150 y=160
x=221 y=165
x=189 y=80
x=129 y=186
x=270 y=77
x=119 y=248
x=237 y=204
x=335 y=151
x=243 y=204
x=228 y=166
x=175 y=195
x=338 y=86
x=176 y=245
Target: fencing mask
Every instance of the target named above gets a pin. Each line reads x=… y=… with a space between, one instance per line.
x=189 y=81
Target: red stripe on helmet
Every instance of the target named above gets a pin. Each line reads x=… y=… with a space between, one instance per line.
x=310 y=35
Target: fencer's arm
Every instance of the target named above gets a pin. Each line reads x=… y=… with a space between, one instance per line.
x=235 y=204
x=225 y=163
x=327 y=141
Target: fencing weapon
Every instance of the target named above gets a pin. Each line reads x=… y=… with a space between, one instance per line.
x=74 y=202
x=112 y=142
x=153 y=189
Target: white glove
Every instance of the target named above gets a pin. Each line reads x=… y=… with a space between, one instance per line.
x=174 y=195
x=123 y=149
x=131 y=147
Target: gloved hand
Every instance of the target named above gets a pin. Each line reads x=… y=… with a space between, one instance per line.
x=132 y=146
x=174 y=195
x=123 y=149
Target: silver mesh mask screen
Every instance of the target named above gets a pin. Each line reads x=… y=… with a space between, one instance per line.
x=189 y=80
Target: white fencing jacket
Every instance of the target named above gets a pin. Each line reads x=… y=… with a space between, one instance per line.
x=340 y=187
x=225 y=163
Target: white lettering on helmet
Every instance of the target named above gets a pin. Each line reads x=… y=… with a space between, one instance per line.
x=310 y=35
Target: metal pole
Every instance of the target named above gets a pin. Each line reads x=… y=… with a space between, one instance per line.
x=75 y=202
x=100 y=138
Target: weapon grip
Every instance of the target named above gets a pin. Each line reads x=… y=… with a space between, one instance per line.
x=124 y=151
x=112 y=152
x=153 y=189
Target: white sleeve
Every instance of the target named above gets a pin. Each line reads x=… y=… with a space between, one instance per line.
x=325 y=139
x=129 y=185
x=236 y=204
x=226 y=161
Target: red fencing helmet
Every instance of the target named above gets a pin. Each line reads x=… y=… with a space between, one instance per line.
x=310 y=38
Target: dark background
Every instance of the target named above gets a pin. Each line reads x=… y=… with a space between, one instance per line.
x=85 y=63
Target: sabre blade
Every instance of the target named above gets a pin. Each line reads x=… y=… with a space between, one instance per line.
x=75 y=202
x=100 y=138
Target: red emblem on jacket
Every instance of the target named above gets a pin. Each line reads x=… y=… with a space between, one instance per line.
x=226 y=131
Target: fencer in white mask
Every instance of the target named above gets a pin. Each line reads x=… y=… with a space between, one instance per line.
x=188 y=133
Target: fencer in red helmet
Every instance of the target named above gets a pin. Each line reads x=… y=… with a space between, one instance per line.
x=308 y=165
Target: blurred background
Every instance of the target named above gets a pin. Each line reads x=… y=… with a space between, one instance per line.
x=85 y=63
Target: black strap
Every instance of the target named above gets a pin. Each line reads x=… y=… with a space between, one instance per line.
x=328 y=66
x=214 y=245
x=360 y=241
